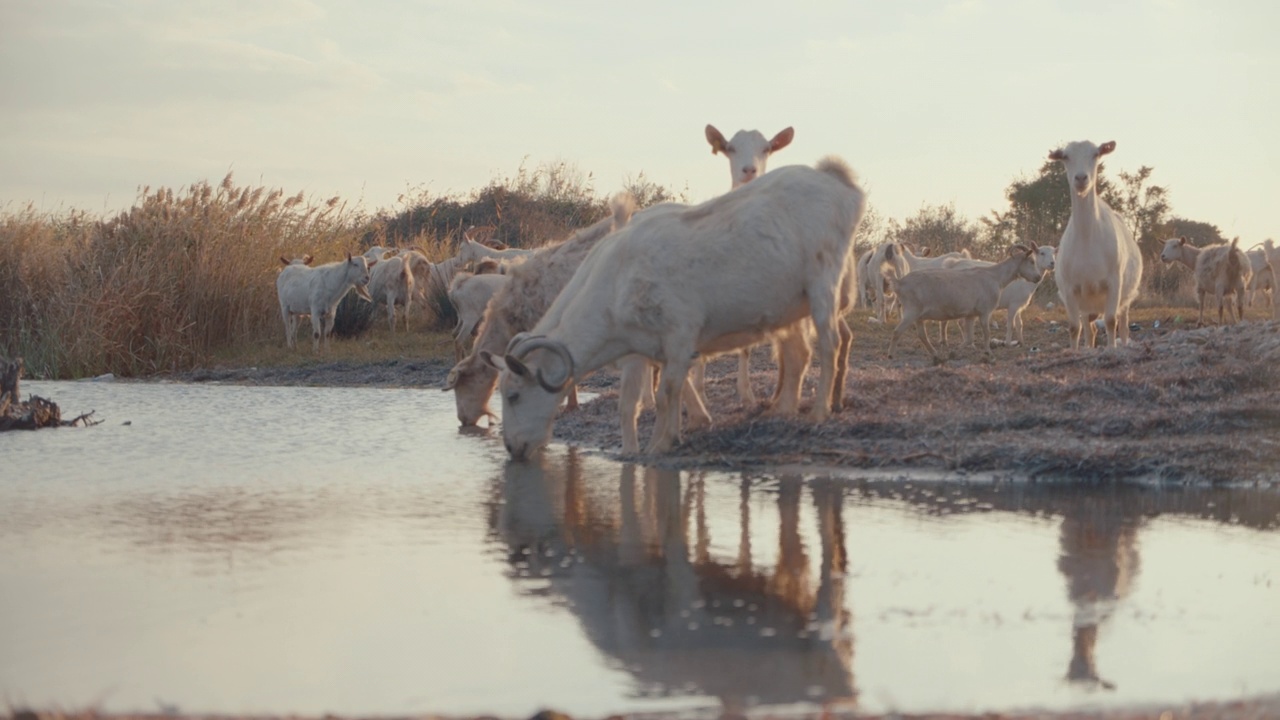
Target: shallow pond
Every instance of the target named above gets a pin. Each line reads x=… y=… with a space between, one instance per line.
x=217 y=554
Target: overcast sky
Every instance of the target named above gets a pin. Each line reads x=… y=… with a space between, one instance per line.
x=932 y=102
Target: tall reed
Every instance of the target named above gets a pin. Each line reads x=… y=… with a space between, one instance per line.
x=161 y=285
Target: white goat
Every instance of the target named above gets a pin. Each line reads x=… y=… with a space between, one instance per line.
x=959 y=294
x=748 y=153
x=316 y=291
x=470 y=294
x=1221 y=269
x=1263 y=280
x=393 y=281
x=1099 y=264
x=717 y=276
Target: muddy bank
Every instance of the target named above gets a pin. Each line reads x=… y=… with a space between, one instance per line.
x=1181 y=405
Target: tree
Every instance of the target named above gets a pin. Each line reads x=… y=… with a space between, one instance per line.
x=939 y=228
x=1143 y=209
x=1040 y=207
x=1198 y=233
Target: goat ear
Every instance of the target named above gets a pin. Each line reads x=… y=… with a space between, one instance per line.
x=717 y=140
x=1057 y=155
x=492 y=360
x=1107 y=147
x=782 y=139
x=516 y=367
x=925 y=251
x=306 y=259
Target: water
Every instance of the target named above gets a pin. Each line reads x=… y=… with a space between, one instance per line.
x=311 y=550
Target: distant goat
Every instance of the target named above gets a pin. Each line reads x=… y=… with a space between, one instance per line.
x=393 y=282
x=1221 y=269
x=1264 y=279
x=316 y=291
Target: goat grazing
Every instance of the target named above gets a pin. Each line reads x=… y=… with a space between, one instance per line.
x=944 y=294
x=1221 y=269
x=518 y=305
x=671 y=285
x=1099 y=264
x=316 y=291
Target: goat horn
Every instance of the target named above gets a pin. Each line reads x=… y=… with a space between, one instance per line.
x=529 y=344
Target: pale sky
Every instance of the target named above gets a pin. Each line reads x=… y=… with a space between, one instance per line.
x=932 y=102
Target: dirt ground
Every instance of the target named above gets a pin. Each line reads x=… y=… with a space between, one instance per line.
x=1179 y=403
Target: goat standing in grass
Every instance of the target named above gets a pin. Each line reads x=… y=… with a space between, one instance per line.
x=316 y=291
x=1099 y=265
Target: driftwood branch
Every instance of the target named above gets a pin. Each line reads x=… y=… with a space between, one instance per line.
x=33 y=414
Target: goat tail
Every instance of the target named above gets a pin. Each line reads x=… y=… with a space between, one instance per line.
x=623 y=206
x=839 y=169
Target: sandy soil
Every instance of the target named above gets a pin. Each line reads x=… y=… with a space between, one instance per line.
x=1185 y=404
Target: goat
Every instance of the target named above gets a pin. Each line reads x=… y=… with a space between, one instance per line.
x=1222 y=269
x=378 y=252
x=1264 y=279
x=1099 y=264
x=1273 y=259
x=748 y=153
x=393 y=281
x=709 y=278
x=518 y=305
x=316 y=291
x=1014 y=298
x=470 y=294
x=959 y=293
x=471 y=251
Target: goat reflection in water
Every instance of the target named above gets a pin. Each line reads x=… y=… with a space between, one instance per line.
x=1099 y=561
x=678 y=619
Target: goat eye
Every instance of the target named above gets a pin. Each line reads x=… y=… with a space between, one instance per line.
x=513 y=397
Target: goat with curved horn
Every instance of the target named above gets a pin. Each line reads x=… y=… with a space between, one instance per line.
x=523 y=344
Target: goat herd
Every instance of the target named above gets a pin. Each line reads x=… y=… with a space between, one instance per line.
x=655 y=290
